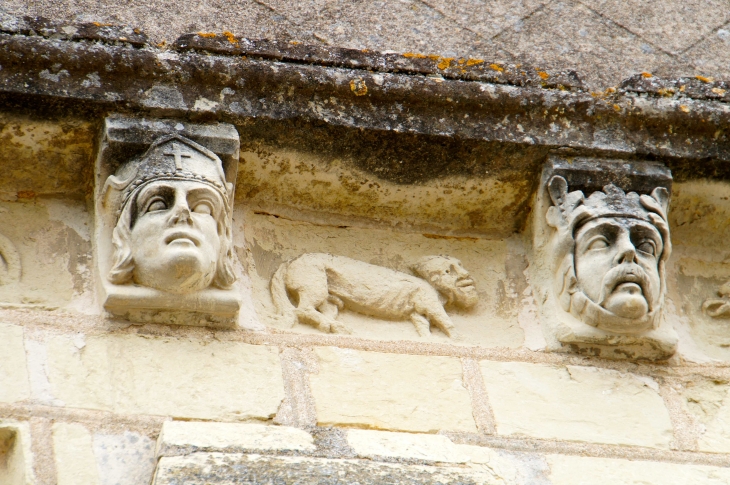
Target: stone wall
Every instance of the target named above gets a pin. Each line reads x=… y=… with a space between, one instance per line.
x=426 y=161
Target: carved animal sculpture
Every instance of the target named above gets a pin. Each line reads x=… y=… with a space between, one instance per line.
x=321 y=285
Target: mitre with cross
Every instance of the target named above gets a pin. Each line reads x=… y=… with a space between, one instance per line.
x=171 y=157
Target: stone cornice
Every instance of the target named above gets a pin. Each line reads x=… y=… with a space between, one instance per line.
x=208 y=77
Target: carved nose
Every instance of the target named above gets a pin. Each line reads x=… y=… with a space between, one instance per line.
x=181 y=214
x=627 y=252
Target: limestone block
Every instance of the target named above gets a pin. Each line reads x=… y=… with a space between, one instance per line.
x=389 y=391
x=496 y=461
x=124 y=459
x=46 y=250
x=709 y=402
x=431 y=447
x=14 y=384
x=16 y=456
x=73 y=450
x=184 y=378
x=229 y=468
x=576 y=403
x=181 y=437
x=574 y=470
x=272 y=247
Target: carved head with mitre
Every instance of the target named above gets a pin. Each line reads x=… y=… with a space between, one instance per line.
x=173 y=231
x=610 y=250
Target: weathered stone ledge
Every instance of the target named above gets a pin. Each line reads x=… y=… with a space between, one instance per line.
x=643 y=118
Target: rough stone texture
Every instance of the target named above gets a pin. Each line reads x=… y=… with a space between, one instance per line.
x=577 y=404
x=574 y=470
x=179 y=437
x=709 y=403
x=606 y=41
x=75 y=461
x=390 y=391
x=217 y=468
x=124 y=459
x=53 y=242
x=181 y=378
x=39 y=148
x=370 y=443
x=14 y=383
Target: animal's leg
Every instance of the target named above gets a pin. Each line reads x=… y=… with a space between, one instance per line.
x=437 y=316
x=329 y=310
x=423 y=327
x=310 y=300
x=442 y=321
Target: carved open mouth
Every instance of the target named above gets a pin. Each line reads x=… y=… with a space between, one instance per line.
x=182 y=236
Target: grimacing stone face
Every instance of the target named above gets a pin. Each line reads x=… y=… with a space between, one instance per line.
x=174 y=235
x=616 y=264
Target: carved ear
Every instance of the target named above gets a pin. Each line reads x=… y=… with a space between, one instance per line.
x=558 y=189
x=661 y=195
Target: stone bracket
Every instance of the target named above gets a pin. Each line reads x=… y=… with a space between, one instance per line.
x=123 y=138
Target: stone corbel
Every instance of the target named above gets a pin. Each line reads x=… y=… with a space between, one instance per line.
x=601 y=240
x=163 y=240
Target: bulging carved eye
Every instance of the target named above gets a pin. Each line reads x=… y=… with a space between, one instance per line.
x=647 y=247
x=157 y=205
x=599 y=243
x=203 y=208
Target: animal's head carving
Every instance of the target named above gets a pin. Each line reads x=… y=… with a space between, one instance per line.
x=450 y=278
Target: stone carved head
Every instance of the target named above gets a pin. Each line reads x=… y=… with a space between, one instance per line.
x=611 y=249
x=450 y=278
x=173 y=231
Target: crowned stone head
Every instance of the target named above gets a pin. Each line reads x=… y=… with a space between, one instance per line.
x=610 y=254
x=173 y=231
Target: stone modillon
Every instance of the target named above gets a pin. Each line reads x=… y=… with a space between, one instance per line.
x=609 y=252
x=166 y=231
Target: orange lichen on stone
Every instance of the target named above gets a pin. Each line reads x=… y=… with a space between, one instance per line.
x=704 y=79
x=413 y=55
x=207 y=34
x=719 y=91
x=646 y=74
x=294 y=42
x=99 y=24
x=231 y=38
x=358 y=87
x=617 y=107
x=444 y=62
x=684 y=108
x=666 y=91
x=474 y=62
x=610 y=91
x=681 y=88
x=543 y=74
x=497 y=67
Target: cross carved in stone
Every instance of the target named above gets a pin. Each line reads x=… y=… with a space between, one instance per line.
x=178 y=154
